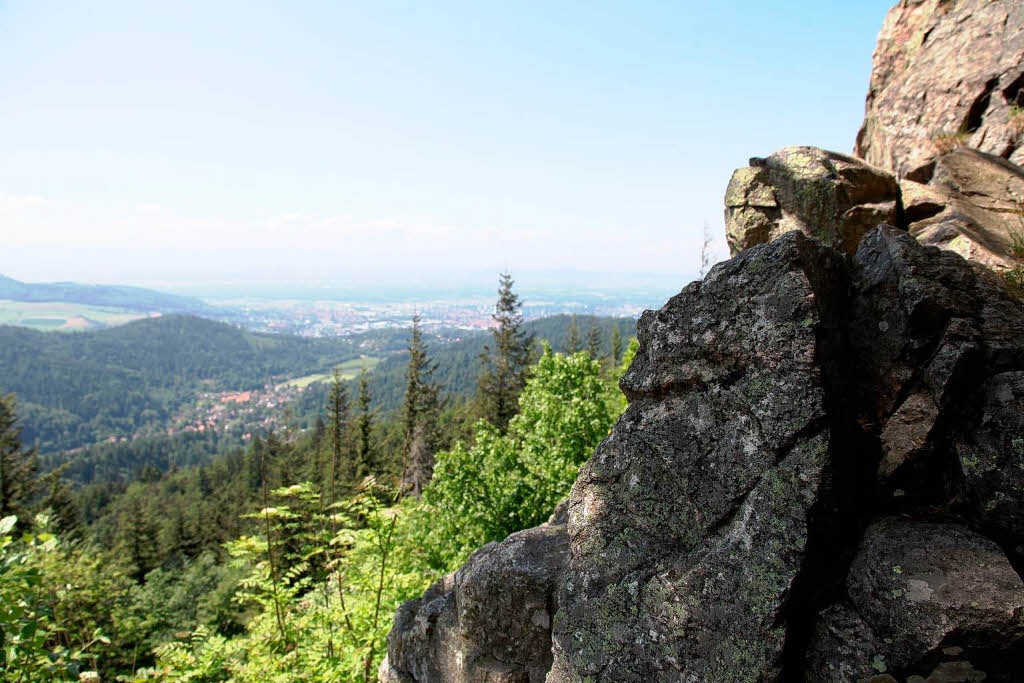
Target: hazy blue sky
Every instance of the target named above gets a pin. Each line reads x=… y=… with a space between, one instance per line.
x=154 y=142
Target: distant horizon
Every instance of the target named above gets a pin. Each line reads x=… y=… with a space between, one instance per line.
x=526 y=280
x=396 y=142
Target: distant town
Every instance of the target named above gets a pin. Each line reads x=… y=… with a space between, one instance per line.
x=340 y=318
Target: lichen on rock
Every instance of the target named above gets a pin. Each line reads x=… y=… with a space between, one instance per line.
x=830 y=196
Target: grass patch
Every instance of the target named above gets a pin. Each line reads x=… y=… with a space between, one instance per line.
x=349 y=370
x=53 y=315
x=945 y=142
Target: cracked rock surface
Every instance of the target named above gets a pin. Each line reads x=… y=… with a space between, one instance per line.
x=952 y=68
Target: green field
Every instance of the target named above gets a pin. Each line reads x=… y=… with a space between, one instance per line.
x=59 y=315
x=349 y=369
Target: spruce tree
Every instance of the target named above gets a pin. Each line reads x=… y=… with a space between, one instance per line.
x=616 y=344
x=593 y=339
x=18 y=484
x=419 y=414
x=60 y=503
x=364 y=426
x=572 y=341
x=337 y=425
x=138 y=537
x=506 y=360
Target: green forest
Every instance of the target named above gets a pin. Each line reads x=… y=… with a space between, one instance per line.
x=78 y=389
x=285 y=560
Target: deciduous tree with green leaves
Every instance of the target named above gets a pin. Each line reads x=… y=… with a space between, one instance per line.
x=506 y=482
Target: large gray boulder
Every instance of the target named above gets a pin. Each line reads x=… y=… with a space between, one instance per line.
x=793 y=399
x=776 y=409
x=691 y=523
x=945 y=70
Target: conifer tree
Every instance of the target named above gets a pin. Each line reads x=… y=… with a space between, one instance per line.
x=616 y=344
x=593 y=339
x=364 y=426
x=138 y=538
x=61 y=504
x=18 y=484
x=419 y=415
x=337 y=425
x=572 y=341
x=506 y=360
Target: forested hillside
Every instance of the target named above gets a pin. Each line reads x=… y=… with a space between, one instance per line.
x=120 y=296
x=77 y=389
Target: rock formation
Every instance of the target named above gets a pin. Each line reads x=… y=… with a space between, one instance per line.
x=490 y=620
x=826 y=195
x=820 y=474
x=973 y=205
x=945 y=71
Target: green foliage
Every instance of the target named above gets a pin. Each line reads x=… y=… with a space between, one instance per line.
x=42 y=637
x=503 y=483
x=616 y=345
x=237 y=570
x=17 y=466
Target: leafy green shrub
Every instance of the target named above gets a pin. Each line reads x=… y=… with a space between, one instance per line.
x=41 y=636
x=507 y=482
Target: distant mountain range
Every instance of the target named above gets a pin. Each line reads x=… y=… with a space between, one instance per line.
x=120 y=296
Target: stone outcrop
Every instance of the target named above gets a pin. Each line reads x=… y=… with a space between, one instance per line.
x=945 y=70
x=921 y=593
x=832 y=197
x=973 y=205
x=488 y=621
x=819 y=477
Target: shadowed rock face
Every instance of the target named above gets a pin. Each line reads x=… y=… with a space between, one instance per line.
x=924 y=594
x=945 y=67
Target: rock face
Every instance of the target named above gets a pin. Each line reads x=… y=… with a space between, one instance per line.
x=820 y=477
x=917 y=589
x=826 y=195
x=945 y=70
x=973 y=205
x=488 y=621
